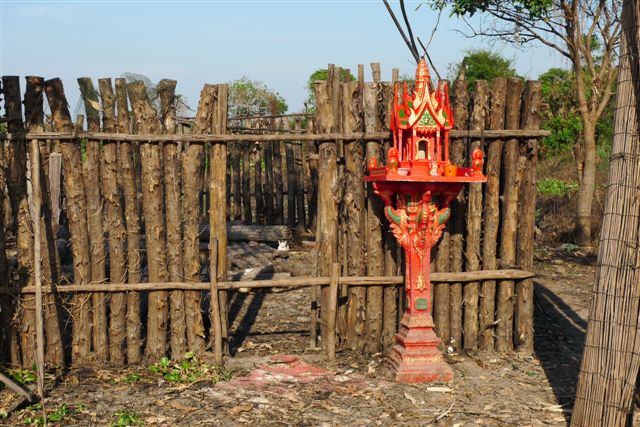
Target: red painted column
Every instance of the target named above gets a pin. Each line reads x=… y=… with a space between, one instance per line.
x=415 y=358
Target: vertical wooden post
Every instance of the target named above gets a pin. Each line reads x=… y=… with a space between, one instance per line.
x=332 y=308
x=361 y=333
x=530 y=119
x=299 y=159
x=267 y=154
x=172 y=152
x=327 y=226
x=458 y=214
x=258 y=193
x=246 y=182
x=10 y=346
x=278 y=178
x=474 y=223
x=37 y=210
x=441 y=291
x=152 y=203
x=513 y=169
x=114 y=225
x=76 y=205
x=216 y=320
x=192 y=187
x=492 y=214
x=291 y=185
x=390 y=317
x=17 y=186
x=217 y=194
x=373 y=232
x=34 y=118
x=91 y=175
x=236 y=209
x=132 y=218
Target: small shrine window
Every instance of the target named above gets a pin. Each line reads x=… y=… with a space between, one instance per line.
x=421 y=154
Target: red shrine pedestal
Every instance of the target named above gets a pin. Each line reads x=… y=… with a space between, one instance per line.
x=417 y=186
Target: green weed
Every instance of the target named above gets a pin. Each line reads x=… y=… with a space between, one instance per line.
x=60 y=414
x=556 y=187
x=23 y=376
x=189 y=370
x=126 y=418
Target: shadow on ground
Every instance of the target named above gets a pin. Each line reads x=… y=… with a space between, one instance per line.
x=558 y=344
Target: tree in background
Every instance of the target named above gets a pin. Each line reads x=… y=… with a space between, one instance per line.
x=254 y=98
x=572 y=28
x=482 y=64
x=320 y=75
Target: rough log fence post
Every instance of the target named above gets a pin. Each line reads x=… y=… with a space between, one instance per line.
x=492 y=214
x=91 y=175
x=76 y=212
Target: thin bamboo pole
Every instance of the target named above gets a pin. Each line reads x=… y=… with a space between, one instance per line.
x=333 y=307
x=37 y=207
x=216 y=320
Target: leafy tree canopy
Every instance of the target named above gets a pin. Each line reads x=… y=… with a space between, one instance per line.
x=254 y=98
x=482 y=64
x=535 y=8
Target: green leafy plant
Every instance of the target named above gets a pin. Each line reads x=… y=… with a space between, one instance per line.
x=131 y=378
x=556 y=187
x=190 y=369
x=126 y=418
x=59 y=414
x=23 y=376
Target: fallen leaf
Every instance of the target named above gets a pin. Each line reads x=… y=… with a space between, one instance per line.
x=410 y=398
x=240 y=408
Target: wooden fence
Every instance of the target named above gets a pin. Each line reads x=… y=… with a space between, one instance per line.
x=129 y=194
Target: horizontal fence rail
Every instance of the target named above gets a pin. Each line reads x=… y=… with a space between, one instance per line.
x=293 y=282
x=101 y=136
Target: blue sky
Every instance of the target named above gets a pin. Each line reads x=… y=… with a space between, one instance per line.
x=194 y=42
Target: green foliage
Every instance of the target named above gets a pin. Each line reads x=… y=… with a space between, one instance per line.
x=482 y=64
x=556 y=187
x=131 y=378
x=561 y=115
x=566 y=131
x=558 y=90
x=189 y=370
x=318 y=75
x=533 y=8
x=22 y=376
x=254 y=98
x=126 y=418
x=60 y=414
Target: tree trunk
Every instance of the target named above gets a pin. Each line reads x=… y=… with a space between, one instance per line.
x=587 y=183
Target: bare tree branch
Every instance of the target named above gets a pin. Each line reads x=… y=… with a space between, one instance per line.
x=415 y=54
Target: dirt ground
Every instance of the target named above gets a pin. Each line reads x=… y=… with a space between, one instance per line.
x=269 y=388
